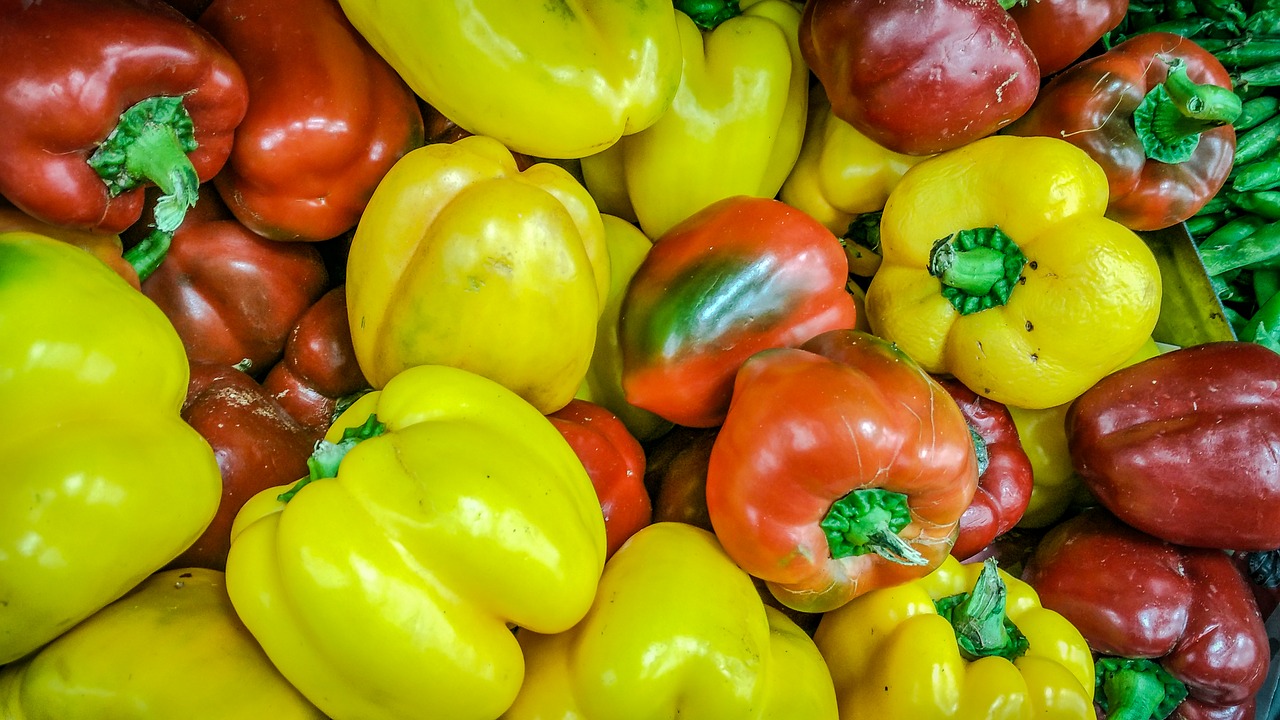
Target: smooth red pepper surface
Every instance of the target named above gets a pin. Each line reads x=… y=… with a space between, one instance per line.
x=1134 y=596
x=71 y=68
x=1059 y=32
x=1183 y=445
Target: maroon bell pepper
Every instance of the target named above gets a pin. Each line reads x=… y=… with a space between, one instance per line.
x=676 y=476
x=1175 y=629
x=1059 y=32
x=1184 y=445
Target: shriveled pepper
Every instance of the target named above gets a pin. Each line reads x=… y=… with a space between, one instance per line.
x=840 y=467
x=1155 y=113
x=1059 y=32
x=103 y=482
x=1013 y=282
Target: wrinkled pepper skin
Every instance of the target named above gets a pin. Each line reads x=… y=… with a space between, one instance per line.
x=173 y=647
x=549 y=80
x=327 y=118
x=1069 y=295
x=1134 y=596
x=74 y=66
x=813 y=432
x=1092 y=106
x=739 y=276
x=461 y=258
x=388 y=591
x=734 y=127
x=1060 y=31
x=921 y=76
x=893 y=656
x=1181 y=446
x=107 y=248
x=104 y=483
x=678 y=632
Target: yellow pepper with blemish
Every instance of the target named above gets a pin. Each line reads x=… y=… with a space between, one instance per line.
x=1000 y=269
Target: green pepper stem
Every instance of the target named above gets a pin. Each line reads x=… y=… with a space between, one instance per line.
x=974 y=271
x=868 y=521
x=980 y=450
x=708 y=14
x=978 y=267
x=982 y=628
x=327 y=456
x=1136 y=689
x=1171 y=117
x=146 y=256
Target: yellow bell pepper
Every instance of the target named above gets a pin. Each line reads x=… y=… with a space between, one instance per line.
x=547 y=79
x=103 y=482
x=677 y=631
x=171 y=648
x=1000 y=269
x=441 y=511
x=461 y=259
x=965 y=642
x=735 y=125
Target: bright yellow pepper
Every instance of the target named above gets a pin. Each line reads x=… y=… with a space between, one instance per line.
x=461 y=259
x=905 y=653
x=103 y=482
x=560 y=79
x=171 y=648
x=1000 y=269
x=735 y=125
x=444 y=510
x=677 y=631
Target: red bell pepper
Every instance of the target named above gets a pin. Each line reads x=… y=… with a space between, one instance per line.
x=676 y=476
x=614 y=461
x=1155 y=113
x=1004 y=471
x=841 y=467
x=920 y=76
x=103 y=97
x=1183 y=445
x=327 y=117
x=1059 y=32
x=1176 y=628
x=742 y=275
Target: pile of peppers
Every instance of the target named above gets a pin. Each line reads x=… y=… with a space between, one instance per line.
x=732 y=359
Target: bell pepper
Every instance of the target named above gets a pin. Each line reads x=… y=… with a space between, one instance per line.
x=103 y=97
x=735 y=124
x=327 y=117
x=545 y=79
x=840 y=467
x=1059 y=32
x=103 y=482
x=679 y=631
x=969 y=642
x=173 y=647
x=614 y=460
x=741 y=275
x=441 y=510
x=440 y=129
x=1004 y=471
x=1175 y=629
x=922 y=76
x=1155 y=113
x=1182 y=446
x=107 y=248
x=676 y=475
x=460 y=258
x=1013 y=282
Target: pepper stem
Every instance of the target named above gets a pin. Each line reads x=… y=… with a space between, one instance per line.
x=707 y=14
x=981 y=625
x=327 y=456
x=1136 y=689
x=980 y=450
x=1172 y=115
x=868 y=521
x=146 y=256
x=978 y=267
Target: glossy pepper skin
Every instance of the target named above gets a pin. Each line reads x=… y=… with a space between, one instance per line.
x=1004 y=477
x=75 y=66
x=840 y=467
x=461 y=257
x=739 y=276
x=1187 y=610
x=327 y=118
x=104 y=482
x=107 y=248
x=1180 y=445
x=1013 y=281
x=549 y=80
x=897 y=653
x=1093 y=105
x=922 y=76
x=735 y=124
x=173 y=647
x=679 y=631
x=1059 y=32
x=386 y=590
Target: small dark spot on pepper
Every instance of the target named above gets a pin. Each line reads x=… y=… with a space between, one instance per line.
x=1022 y=279
x=185 y=575
x=1035 y=357
x=1028 y=326
x=1033 y=265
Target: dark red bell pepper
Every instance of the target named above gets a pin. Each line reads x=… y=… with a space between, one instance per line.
x=1184 y=445
x=327 y=117
x=1004 y=471
x=676 y=476
x=103 y=97
x=1175 y=629
x=920 y=76
x=1155 y=113
x=1059 y=32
